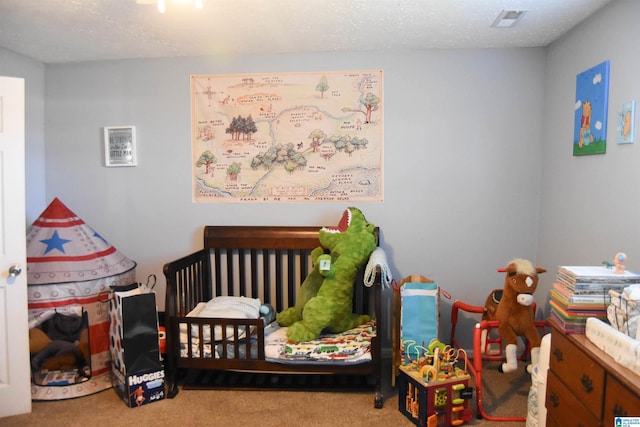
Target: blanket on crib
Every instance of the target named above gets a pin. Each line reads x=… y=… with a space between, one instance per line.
x=224 y=307
x=352 y=346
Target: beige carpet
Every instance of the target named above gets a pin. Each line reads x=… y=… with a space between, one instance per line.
x=504 y=394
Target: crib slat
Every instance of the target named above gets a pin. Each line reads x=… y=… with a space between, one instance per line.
x=292 y=280
x=230 y=272
x=253 y=256
x=218 y=271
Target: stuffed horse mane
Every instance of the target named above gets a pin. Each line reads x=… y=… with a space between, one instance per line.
x=523 y=266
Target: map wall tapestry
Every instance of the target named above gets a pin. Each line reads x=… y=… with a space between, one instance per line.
x=287 y=137
x=592 y=102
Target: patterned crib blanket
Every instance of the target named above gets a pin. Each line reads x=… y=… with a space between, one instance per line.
x=352 y=346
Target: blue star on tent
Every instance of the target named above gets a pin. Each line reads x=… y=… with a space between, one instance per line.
x=55 y=242
x=96 y=234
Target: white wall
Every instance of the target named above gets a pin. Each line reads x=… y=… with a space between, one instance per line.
x=590 y=205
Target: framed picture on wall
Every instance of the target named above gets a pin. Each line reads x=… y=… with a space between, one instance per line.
x=592 y=100
x=626 y=119
x=120 y=146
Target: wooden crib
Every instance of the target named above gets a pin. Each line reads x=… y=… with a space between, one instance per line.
x=269 y=263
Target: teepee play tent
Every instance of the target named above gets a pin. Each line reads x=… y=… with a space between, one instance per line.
x=70 y=268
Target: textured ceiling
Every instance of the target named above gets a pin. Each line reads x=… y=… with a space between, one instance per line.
x=58 y=31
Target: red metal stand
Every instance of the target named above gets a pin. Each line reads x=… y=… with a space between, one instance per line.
x=481 y=353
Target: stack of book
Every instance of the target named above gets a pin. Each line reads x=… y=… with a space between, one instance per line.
x=580 y=292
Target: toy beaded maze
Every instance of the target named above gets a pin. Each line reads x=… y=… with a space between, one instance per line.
x=432 y=390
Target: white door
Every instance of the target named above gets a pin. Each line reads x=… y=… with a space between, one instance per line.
x=15 y=380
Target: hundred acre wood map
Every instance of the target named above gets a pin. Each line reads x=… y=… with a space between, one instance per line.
x=287 y=137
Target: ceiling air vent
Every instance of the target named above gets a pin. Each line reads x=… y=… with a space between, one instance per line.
x=508 y=18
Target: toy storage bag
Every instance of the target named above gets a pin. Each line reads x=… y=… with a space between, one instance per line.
x=419 y=312
x=138 y=375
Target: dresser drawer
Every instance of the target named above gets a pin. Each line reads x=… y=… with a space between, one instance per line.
x=619 y=401
x=578 y=372
x=551 y=422
x=564 y=408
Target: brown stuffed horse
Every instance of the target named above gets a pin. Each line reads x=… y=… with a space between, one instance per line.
x=514 y=311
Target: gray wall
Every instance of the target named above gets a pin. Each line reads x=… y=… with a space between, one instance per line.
x=590 y=204
x=478 y=164
x=462 y=158
x=33 y=72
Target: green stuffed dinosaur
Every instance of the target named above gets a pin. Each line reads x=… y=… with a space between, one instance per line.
x=325 y=297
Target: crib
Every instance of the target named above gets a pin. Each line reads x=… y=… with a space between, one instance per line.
x=267 y=263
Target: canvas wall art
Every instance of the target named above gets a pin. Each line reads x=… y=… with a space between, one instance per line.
x=592 y=99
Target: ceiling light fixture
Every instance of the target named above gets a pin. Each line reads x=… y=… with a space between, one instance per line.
x=162 y=4
x=508 y=18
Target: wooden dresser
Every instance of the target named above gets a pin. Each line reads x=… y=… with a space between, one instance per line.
x=585 y=386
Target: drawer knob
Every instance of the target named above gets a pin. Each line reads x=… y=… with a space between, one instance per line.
x=587 y=383
x=558 y=354
x=619 y=411
x=553 y=397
